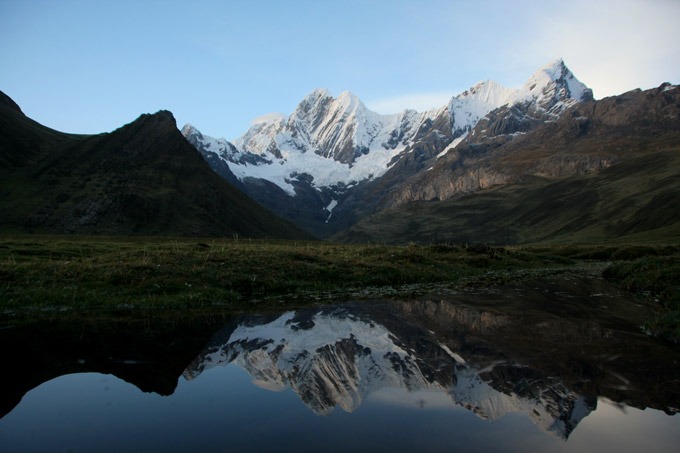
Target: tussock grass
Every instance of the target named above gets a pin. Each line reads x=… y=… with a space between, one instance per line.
x=44 y=274
x=81 y=272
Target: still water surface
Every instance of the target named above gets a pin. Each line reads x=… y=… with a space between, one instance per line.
x=558 y=366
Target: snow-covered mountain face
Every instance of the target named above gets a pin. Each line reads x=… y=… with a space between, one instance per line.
x=333 y=140
x=336 y=357
x=340 y=141
x=333 y=161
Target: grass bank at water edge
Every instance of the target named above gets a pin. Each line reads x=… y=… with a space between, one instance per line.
x=48 y=273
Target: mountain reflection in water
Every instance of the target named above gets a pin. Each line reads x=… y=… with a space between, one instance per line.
x=338 y=356
x=547 y=351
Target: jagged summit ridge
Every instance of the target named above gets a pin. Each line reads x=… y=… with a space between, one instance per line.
x=554 y=88
x=467 y=108
x=551 y=89
x=340 y=141
x=335 y=154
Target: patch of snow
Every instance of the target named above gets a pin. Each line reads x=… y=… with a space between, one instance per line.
x=452 y=145
x=474 y=104
x=452 y=354
x=329 y=208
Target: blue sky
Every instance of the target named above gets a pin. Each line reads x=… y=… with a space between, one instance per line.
x=92 y=66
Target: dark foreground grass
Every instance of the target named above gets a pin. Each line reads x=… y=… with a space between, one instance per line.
x=657 y=278
x=47 y=274
x=75 y=272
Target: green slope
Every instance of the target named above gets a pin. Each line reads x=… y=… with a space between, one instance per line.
x=636 y=200
x=141 y=179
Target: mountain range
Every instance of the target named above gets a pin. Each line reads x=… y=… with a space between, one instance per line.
x=306 y=165
x=337 y=169
x=603 y=170
x=543 y=162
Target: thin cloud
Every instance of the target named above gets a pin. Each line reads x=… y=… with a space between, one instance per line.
x=268 y=118
x=415 y=101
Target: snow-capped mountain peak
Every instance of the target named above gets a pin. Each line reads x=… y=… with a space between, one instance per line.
x=349 y=100
x=554 y=88
x=189 y=129
x=489 y=92
x=316 y=94
x=311 y=106
x=218 y=146
x=329 y=145
x=467 y=108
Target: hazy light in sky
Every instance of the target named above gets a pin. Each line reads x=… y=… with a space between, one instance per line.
x=415 y=101
x=83 y=66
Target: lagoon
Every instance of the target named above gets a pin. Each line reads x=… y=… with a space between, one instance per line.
x=558 y=365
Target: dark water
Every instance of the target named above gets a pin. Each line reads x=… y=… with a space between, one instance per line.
x=545 y=366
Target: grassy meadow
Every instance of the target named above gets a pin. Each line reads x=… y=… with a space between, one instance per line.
x=44 y=274
x=94 y=272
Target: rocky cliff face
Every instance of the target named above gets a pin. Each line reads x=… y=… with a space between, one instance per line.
x=514 y=143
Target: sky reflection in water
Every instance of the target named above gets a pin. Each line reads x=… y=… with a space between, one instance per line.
x=223 y=410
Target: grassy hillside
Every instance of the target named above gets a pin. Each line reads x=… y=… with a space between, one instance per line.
x=105 y=272
x=141 y=179
x=105 y=276
x=636 y=200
